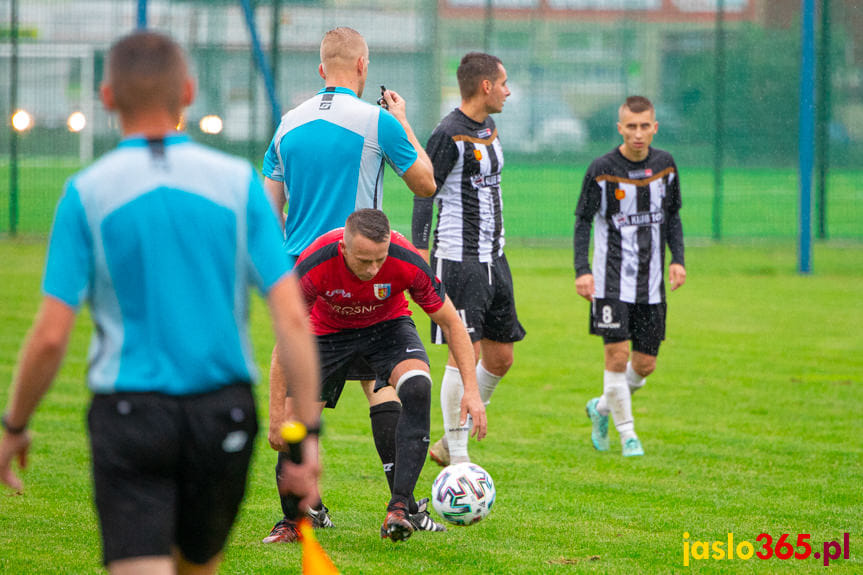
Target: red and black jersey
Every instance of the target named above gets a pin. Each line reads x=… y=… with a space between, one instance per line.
x=339 y=300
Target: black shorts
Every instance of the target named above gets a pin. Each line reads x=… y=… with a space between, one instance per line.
x=170 y=470
x=618 y=321
x=366 y=353
x=483 y=295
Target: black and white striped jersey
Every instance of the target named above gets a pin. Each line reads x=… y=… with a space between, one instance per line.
x=468 y=159
x=634 y=208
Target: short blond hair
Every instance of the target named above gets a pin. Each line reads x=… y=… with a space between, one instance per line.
x=341 y=47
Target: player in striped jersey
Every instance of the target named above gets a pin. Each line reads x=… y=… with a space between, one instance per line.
x=631 y=196
x=469 y=238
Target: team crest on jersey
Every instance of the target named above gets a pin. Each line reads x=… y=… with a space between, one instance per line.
x=619 y=194
x=382 y=291
x=484 y=133
x=477 y=154
x=640 y=174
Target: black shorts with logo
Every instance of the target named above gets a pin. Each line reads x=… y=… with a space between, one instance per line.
x=366 y=353
x=618 y=321
x=483 y=295
x=170 y=470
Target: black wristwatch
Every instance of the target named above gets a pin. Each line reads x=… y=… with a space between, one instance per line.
x=12 y=430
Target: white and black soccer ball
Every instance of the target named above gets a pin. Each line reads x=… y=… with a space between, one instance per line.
x=463 y=493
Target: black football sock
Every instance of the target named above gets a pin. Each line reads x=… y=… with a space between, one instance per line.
x=412 y=434
x=385 y=419
x=289 y=502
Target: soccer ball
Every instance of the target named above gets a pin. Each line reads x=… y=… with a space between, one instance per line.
x=463 y=493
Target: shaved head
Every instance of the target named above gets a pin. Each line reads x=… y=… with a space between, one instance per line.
x=341 y=48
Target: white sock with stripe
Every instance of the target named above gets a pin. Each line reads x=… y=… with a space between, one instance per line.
x=619 y=401
x=633 y=380
x=451 y=392
x=486 y=381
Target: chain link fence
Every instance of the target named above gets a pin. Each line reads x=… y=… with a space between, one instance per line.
x=724 y=76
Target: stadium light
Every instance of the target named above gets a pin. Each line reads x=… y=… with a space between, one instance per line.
x=22 y=121
x=211 y=124
x=76 y=122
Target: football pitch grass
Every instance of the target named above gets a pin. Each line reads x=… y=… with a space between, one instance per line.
x=751 y=424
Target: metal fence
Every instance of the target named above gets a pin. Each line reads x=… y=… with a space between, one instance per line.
x=724 y=75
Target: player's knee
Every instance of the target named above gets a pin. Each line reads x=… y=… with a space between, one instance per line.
x=498 y=365
x=497 y=357
x=414 y=389
x=643 y=365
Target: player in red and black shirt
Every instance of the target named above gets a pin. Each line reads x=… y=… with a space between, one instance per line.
x=354 y=280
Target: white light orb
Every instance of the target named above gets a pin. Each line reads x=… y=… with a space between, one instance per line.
x=76 y=122
x=22 y=120
x=211 y=124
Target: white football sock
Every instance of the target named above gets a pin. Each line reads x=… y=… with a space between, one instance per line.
x=486 y=381
x=633 y=380
x=451 y=392
x=616 y=393
x=602 y=406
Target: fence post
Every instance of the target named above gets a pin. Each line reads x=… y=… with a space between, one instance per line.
x=823 y=122
x=806 y=134
x=719 y=126
x=261 y=61
x=13 y=133
x=489 y=26
x=274 y=52
x=142 y=14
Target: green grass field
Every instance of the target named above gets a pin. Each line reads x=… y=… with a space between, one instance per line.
x=540 y=200
x=750 y=425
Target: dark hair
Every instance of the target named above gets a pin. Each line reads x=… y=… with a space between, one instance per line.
x=369 y=223
x=638 y=104
x=147 y=70
x=473 y=69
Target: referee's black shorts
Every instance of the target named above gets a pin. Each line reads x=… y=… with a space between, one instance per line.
x=170 y=470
